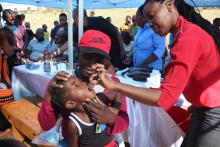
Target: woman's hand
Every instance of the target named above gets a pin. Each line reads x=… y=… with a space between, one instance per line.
x=100 y=112
x=40 y=57
x=102 y=78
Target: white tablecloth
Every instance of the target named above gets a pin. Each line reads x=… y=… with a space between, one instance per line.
x=151 y=126
x=27 y=82
x=148 y=126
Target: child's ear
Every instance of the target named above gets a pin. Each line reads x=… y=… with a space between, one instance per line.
x=70 y=104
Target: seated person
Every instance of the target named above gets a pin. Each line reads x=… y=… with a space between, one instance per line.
x=36 y=47
x=55 y=52
x=97 y=52
x=82 y=130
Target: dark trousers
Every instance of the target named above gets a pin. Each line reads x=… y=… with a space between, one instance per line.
x=4 y=124
x=204 y=130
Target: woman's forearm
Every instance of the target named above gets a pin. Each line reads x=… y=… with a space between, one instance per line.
x=64 y=47
x=149 y=60
x=143 y=95
x=46 y=116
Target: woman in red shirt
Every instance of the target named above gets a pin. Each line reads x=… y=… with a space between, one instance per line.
x=194 y=69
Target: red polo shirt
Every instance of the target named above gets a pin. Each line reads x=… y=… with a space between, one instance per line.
x=194 y=69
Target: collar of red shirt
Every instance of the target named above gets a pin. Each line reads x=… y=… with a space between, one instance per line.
x=178 y=27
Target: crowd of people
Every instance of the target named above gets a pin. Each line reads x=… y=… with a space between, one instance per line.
x=91 y=118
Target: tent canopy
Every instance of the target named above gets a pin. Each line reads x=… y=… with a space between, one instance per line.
x=106 y=4
x=96 y=4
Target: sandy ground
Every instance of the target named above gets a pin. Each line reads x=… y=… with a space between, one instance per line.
x=118 y=16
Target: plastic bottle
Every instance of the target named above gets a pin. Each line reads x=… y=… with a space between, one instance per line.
x=22 y=58
x=47 y=67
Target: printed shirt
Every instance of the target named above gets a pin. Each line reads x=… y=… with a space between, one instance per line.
x=194 y=69
x=146 y=43
x=19 y=36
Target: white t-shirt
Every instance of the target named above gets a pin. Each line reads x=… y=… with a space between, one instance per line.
x=128 y=49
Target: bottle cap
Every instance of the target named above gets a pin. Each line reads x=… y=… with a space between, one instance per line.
x=46 y=52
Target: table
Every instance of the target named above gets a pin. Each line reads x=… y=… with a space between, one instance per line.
x=148 y=126
x=27 y=82
x=151 y=126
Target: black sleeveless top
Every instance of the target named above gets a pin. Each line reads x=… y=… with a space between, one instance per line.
x=87 y=133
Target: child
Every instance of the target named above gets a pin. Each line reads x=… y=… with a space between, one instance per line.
x=128 y=48
x=82 y=131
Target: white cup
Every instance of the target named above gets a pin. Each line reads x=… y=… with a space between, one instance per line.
x=53 y=67
x=61 y=67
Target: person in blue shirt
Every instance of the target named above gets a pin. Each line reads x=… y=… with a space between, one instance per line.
x=36 y=47
x=149 y=47
x=9 y=18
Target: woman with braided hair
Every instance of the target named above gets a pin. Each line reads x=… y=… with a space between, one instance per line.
x=9 y=17
x=194 y=69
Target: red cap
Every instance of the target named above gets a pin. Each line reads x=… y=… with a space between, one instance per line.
x=94 y=41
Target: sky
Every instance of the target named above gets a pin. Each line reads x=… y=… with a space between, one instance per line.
x=19 y=7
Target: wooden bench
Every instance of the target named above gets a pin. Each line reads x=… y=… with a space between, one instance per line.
x=22 y=115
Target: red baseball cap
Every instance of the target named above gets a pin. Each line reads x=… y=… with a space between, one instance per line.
x=94 y=41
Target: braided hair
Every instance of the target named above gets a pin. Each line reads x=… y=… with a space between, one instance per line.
x=6 y=12
x=59 y=96
x=191 y=15
x=140 y=10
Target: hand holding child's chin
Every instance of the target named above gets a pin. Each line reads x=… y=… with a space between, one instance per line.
x=99 y=111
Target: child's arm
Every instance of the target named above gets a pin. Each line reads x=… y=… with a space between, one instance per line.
x=72 y=133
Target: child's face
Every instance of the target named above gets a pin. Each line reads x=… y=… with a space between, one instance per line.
x=77 y=90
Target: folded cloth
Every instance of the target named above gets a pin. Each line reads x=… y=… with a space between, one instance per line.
x=154 y=80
